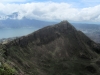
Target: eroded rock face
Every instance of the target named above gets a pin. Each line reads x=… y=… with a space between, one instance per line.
x=53 y=50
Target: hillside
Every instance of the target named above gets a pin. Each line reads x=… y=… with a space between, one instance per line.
x=53 y=50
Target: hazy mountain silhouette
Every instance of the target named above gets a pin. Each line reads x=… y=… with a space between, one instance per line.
x=15 y=23
x=54 y=50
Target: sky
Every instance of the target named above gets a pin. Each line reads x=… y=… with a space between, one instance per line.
x=52 y=10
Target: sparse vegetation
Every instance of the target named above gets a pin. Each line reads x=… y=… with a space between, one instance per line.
x=5 y=69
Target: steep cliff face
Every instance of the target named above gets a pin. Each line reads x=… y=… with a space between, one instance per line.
x=54 y=50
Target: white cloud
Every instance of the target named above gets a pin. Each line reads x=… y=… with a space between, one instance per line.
x=51 y=11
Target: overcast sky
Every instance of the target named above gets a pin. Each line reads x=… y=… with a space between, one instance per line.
x=71 y=10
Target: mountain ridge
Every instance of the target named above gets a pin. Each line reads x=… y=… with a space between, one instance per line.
x=54 y=50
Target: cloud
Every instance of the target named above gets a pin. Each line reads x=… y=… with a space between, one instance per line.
x=51 y=11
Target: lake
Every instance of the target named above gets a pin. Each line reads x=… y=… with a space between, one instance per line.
x=10 y=32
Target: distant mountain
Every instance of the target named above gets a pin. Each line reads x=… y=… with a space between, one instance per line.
x=53 y=50
x=15 y=23
x=91 y=30
x=11 y=16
